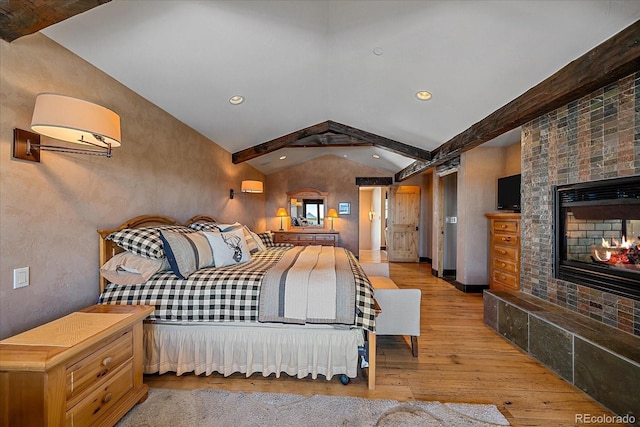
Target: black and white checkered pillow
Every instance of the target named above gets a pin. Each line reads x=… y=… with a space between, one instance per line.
x=145 y=241
x=267 y=239
x=205 y=226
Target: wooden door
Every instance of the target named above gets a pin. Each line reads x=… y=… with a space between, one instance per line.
x=402 y=229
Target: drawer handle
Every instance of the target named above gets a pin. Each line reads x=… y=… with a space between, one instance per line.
x=504 y=225
x=503 y=264
x=506 y=239
x=502 y=251
x=107 y=361
x=107 y=397
x=503 y=277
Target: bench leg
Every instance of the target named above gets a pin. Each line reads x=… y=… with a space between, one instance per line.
x=372 y=360
x=414 y=346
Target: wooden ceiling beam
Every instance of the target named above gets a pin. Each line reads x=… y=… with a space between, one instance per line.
x=23 y=17
x=329 y=134
x=329 y=140
x=380 y=141
x=278 y=143
x=608 y=62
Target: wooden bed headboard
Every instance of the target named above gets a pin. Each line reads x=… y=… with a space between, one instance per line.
x=108 y=249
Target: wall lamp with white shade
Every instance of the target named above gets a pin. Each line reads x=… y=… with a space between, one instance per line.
x=68 y=119
x=249 y=187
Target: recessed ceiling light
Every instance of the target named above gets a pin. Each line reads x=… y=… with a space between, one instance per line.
x=375 y=156
x=236 y=99
x=378 y=51
x=344 y=155
x=423 y=95
x=283 y=157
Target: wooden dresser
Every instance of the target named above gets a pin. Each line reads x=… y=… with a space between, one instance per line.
x=504 y=256
x=84 y=369
x=304 y=238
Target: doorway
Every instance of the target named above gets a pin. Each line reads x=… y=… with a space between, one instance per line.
x=371 y=224
x=403 y=223
x=448 y=225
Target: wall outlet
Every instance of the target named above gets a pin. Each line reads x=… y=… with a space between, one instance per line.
x=20 y=277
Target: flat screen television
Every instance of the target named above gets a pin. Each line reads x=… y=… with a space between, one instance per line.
x=509 y=193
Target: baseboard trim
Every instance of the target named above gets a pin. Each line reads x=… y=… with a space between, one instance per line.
x=469 y=289
x=425 y=259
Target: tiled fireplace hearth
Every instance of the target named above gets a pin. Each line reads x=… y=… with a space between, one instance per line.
x=578 y=309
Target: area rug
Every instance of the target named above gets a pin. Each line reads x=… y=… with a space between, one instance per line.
x=204 y=408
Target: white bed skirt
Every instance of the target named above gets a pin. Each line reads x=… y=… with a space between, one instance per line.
x=226 y=349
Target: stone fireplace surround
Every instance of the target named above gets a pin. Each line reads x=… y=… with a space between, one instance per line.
x=593 y=138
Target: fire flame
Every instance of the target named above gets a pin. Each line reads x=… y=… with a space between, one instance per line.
x=625 y=245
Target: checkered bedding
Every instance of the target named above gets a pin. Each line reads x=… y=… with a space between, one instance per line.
x=226 y=294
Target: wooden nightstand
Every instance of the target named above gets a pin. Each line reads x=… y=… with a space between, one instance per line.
x=83 y=369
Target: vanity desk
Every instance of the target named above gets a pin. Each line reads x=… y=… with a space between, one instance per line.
x=307 y=237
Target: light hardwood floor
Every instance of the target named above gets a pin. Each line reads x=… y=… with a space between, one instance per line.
x=460 y=360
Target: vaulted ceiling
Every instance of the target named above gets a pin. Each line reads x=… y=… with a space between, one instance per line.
x=353 y=65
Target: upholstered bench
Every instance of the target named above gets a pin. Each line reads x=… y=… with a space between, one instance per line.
x=400 y=308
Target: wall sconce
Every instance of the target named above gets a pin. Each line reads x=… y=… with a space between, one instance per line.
x=331 y=215
x=249 y=187
x=372 y=215
x=67 y=119
x=281 y=213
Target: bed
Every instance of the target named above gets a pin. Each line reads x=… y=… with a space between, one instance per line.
x=213 y=320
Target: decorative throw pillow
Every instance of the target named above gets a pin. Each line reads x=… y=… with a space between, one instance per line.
x=267 y=239
x=229 y=247
x=127 y=268
x=204 y=226
x=258 y=241
x=186 y=253
x=252 y=243
x=145 y=241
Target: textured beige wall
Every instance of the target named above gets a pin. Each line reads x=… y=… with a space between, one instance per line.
x=477 y=185
x=513 y=159
x=49 y=212
x=330 y=173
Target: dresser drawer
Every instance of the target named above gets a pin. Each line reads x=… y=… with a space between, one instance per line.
x=325 y=238
x=504 y=265
x=305 y=237
x=98 y=364
x=505 y=279
x=506 y=239
x=98 y=402
x=510 y=226
x=507 y=252
x=286 y=238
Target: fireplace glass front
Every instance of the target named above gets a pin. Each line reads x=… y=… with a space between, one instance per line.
x=598 y=235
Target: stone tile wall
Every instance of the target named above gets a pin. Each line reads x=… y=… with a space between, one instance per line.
x=595 y=137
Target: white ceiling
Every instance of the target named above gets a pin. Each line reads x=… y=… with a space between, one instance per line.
x=299 y=63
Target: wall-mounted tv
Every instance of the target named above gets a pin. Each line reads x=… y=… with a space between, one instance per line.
x=509 y=193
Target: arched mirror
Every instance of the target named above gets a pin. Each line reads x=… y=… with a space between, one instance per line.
x=307 y=207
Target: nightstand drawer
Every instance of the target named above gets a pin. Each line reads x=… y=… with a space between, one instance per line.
x=96 y=404
x=325 y=238
x=98 y=364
